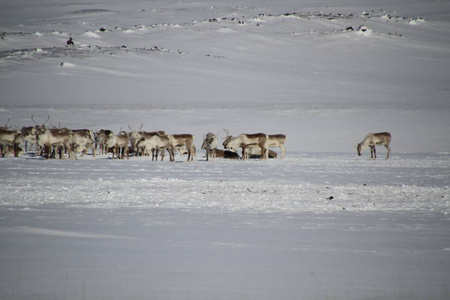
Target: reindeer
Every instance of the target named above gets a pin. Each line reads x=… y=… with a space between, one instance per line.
x=136 y=137
x=100 y=138
x=255 y=152
x=227 y=154
x=56 y=137
x=180 y=140
x=374 y=139
x=81 y=140
x=118 y=144
x=29 y=137
x=277 y=141
x=155 y=143
x=210 y=143
x=245 y=140
x=9 y=139
x=39 y=127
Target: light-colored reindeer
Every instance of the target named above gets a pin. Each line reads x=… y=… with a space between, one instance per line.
x=375 y=139
x=210 y=143
x=245 y=140
x=278 y=141
x=181 y=140
x=156 y=143
x=119 y=144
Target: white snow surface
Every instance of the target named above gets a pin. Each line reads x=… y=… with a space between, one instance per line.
x=322 y=223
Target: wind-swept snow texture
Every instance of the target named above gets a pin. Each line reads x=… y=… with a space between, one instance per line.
x=322 y=223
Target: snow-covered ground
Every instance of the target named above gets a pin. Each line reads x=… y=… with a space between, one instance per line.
x=310 y=226
x=322 y=223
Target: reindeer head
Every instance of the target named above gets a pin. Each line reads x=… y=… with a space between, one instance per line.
x=359 y=149
x=227 y=139
x=40 y=128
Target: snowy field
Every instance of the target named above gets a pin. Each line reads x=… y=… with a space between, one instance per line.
x=322 y=223
x=310 y=226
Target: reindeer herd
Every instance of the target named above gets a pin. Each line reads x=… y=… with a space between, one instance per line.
x=67 y=143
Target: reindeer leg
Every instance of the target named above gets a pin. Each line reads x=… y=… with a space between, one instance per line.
x=93 y=150
x=388 y=151
x=191 y=153
x=171 y=153
x=16 y=150
x=244 y=155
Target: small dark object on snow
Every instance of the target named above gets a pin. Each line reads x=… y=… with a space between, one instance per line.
x=102 y=29
x=70 y=42
x=350 y=28
x=330 y=198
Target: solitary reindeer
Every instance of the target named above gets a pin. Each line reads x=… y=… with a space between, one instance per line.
x=374 y=139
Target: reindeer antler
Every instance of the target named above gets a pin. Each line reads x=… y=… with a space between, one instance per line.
x=48 y=118
x=32 y=119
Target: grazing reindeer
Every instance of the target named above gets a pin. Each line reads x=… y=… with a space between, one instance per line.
x=210 y=143
x=277 y=141
x=374 y=139
x=245 y=140
x=180 y=140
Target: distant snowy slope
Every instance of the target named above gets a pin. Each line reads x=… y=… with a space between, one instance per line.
x=320 y=73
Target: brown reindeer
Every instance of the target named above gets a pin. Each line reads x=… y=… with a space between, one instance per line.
x=374 y=139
